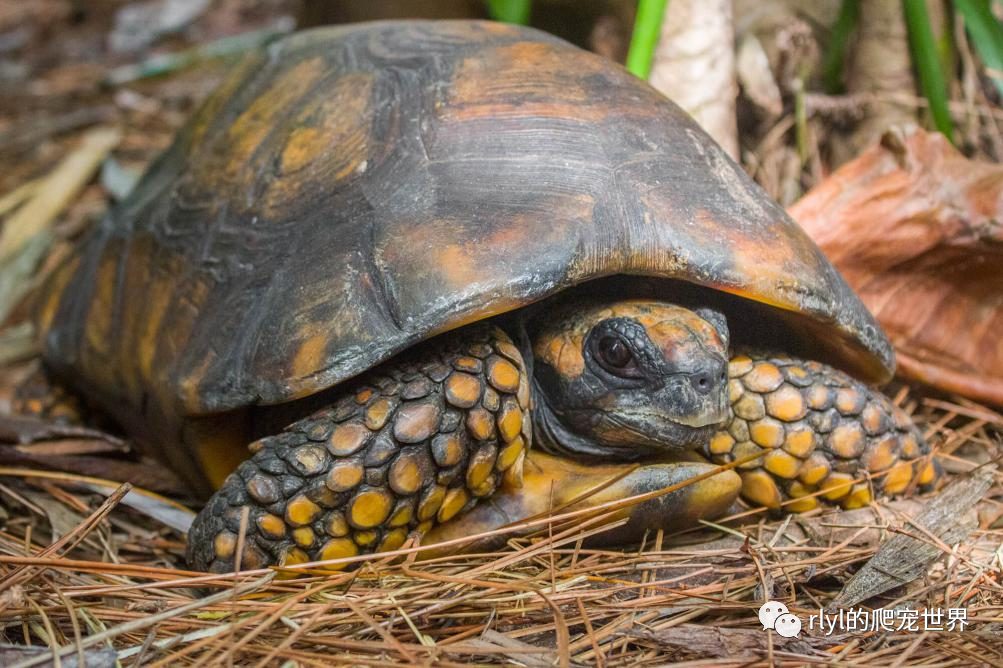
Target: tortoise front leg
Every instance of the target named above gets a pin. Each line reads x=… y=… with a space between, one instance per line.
x=419 y=441
x=822 y=430
x=554 y=484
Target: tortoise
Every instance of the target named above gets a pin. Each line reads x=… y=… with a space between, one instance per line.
x=384 y=259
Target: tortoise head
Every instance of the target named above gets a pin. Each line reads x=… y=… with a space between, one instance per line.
x=629 y=379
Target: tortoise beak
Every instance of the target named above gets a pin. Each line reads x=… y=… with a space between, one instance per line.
x=554 y=485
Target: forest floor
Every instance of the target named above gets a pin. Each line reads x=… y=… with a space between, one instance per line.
x=97 y=575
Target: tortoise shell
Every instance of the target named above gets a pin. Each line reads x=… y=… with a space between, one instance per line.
x=351 y=191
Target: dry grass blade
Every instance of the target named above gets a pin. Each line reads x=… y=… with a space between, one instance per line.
x=56 y=190
x=544 y=598
x=26 y=235
x=904 y=558
x=69 y=541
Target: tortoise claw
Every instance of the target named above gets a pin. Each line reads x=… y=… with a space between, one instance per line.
x=554 y=485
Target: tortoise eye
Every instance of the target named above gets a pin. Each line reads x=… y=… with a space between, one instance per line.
x=614 y=354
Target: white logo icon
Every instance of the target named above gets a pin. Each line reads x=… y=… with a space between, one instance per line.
x=769 y=613
x=787 y=625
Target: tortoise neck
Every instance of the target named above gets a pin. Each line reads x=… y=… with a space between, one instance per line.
x=552 y=436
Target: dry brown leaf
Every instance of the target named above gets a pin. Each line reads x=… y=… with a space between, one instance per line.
x=915 y=227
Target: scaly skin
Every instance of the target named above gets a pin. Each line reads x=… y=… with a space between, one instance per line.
x=418 y=443
x=823 y=431
x=623 y=393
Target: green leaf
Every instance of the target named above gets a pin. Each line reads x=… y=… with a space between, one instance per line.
x=510 y=11
x=835 y=52
x=926 y=59
x=647 y=27
x=987 y=36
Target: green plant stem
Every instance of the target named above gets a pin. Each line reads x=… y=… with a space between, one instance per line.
x=987 y=36
x=510 y=11
x=926 y=58
x=835 y=52
x=647 y=27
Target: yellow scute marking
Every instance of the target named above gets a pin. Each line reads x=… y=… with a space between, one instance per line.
x=258 y=120
x=310 y=355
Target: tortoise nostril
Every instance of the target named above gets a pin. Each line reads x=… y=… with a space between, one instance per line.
x=702 y=382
